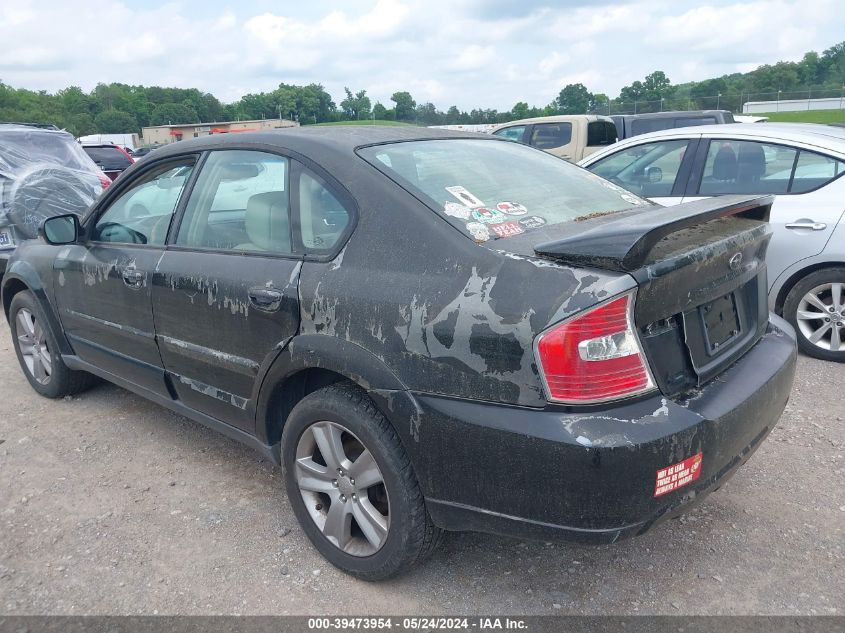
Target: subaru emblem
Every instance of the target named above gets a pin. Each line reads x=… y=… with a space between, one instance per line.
x=735 y=262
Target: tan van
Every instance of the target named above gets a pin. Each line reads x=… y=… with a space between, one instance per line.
x=569 y=136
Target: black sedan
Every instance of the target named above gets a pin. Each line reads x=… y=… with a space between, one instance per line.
x=427 y=330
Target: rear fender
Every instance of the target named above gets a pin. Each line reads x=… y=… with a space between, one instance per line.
x=323 y=352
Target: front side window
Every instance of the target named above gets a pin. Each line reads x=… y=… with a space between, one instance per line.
x=746 y=167
x=494 y=190
x=240 y=202
x=514 y=133
x=650 y=169
x=142 y=213
x=551 y=135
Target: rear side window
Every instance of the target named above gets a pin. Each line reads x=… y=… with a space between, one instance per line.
x=601 y=133
x=514 y=133
x=551 y=135
x=323 y=218
x=650 y=169
x=746 y=167
x=814 y=170
x=493 y=190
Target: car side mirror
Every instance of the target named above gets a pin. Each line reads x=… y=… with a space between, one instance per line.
x=653 y=174
x=60 y=229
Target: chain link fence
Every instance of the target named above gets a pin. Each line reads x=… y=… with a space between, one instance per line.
x=733 y=101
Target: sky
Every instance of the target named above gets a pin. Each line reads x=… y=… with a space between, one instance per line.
x=469 y=53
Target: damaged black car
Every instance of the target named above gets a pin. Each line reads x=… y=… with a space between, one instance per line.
x=427 y=330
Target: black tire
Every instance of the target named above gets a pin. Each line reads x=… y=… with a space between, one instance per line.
x=411 y=536
x=61 y=381
x=804 y=327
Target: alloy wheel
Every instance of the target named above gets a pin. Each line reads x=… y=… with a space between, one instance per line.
x=343 y=488
x=821 y=316
x=32 y=341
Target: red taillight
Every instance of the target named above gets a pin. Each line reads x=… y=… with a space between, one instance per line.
x=595 y=356
x=104 y=180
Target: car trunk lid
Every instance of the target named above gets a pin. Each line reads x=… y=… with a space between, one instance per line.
x=700 y=269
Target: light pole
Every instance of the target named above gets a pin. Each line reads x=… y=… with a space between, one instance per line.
x=718 y=100
x=778 y=109
x=661 y=104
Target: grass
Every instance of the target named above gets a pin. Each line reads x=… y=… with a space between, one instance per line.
x=365 y=122
x=810 y=116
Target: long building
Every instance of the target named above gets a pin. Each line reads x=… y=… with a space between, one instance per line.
x=163 y=134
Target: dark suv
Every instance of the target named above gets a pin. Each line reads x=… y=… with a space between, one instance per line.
x=428 y=330
x=628 y=125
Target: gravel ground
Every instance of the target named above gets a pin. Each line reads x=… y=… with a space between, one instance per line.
x=110 y=504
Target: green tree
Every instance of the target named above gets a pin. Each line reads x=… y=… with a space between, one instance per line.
x=115 y=122
x=405 y=106
x=173 y=114
x=379 y=111
x=356 y=106
x=427 y=114
x=520 y=111
x=574 y=99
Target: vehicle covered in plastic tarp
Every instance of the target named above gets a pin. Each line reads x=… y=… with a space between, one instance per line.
x=43 y=172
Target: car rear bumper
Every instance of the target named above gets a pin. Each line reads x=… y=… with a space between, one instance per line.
x=591 y=476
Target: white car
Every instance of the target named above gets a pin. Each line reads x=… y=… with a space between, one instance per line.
x=802 y=164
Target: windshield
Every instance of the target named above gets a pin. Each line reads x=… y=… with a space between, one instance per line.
x=491 y=189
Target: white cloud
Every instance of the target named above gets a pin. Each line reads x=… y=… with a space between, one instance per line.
x=474 y=57
x=463 y=52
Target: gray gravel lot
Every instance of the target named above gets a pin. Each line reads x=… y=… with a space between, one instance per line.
x=110 y=504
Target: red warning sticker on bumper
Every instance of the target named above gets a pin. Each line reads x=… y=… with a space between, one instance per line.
x=678 y=475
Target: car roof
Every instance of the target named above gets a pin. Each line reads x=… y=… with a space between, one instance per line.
x=671 y=114
x=813 y=133
x=555 y=118
x=327 y=145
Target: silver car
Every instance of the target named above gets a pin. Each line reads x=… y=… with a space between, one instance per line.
x=801 y=164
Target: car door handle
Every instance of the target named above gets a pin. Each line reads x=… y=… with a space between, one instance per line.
x=813 y=226
x=132 y=278
x=264 y=298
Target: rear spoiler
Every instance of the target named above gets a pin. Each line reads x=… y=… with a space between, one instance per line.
x=624 y=242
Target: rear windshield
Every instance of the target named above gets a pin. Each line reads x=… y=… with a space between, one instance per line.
x=493 y=189
x=108 y=157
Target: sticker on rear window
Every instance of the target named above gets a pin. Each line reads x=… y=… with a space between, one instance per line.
x=512 y=208
x=465 y=196
x=456 y=210
x=678 y=475
x=488 y=216
x=507 y=229
x=532 y=222
x=478 y=231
